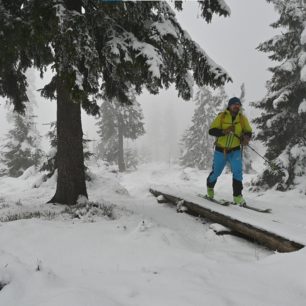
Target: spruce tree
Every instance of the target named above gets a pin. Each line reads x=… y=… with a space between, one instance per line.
x=50 y=160
x=121 y=44
x=131 y=156
x=282 y=123
x=22 y=146
x=197 y=144
x=118 y=122
x=13 y=58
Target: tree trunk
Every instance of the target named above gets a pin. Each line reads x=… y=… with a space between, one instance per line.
x=121 y=163
x=70 y=157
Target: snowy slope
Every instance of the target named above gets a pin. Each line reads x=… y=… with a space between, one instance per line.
x=147 y=254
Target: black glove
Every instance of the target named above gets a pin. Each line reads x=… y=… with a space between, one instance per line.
x=245 y=139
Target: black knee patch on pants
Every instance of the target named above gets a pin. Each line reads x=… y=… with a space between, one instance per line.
x=237 y=187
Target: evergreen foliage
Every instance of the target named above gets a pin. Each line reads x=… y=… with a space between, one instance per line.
x=21 y=149
x=131 y=157
x=50 y=163
x=282 y=125
x=197 y=144
x=133 y=42
x=13 y=58
x=95 y=45
x=119 y=122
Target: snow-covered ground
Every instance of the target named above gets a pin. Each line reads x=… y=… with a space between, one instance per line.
x=144 y=253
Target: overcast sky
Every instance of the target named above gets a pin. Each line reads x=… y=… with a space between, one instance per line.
x=230 y=42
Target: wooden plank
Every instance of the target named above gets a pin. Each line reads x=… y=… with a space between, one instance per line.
x=264 y=237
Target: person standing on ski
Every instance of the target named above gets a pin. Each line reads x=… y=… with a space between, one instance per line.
x=233 y=131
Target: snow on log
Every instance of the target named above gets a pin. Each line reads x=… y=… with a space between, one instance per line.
x=271 y=240
x=219 y=229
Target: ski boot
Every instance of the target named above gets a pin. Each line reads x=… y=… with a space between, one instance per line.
x=239 y=200
x=210 y=192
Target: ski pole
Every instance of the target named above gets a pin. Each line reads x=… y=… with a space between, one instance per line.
x=267 y=161
x=270 y=163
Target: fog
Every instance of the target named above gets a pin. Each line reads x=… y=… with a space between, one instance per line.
x=230 y=42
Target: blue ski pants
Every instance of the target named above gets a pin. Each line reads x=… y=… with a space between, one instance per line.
x=234 y=158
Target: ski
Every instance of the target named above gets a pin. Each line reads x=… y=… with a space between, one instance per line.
x=221 y=202
x=227 y=203
x=261 y=210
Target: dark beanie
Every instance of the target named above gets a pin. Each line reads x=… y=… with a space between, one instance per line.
x=234 y=100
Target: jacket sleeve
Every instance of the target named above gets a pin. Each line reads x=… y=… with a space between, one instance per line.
x=215 y=129
x=215 y=132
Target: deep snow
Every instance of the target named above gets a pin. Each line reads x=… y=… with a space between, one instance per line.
x=147 y=254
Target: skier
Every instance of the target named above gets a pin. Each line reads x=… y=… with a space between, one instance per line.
x=232 y=130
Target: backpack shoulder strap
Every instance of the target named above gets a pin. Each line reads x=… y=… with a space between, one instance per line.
x=222 y=117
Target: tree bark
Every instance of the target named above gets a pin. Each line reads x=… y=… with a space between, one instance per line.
x=70 y=158
x=121 y=163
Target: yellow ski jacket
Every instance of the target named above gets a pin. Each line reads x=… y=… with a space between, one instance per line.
x=223 y=121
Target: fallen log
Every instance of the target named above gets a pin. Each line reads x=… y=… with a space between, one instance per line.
x=271 y=240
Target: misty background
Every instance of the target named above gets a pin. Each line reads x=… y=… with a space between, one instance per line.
x=231 y=42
